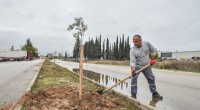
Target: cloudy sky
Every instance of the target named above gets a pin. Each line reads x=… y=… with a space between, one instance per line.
x=169 y=25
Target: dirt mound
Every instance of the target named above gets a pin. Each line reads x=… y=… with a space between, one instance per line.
x=7 y=107
x=66 y=98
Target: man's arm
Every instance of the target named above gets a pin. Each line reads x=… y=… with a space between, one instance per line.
x=132 y=61
x=153 y=53
x=152 y=50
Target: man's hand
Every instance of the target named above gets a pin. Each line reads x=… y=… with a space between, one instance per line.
x=132 y=70
x=152 y=61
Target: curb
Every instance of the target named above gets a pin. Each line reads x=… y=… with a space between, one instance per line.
x=18 y=106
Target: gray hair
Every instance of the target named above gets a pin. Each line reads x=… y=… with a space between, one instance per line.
x=137 y=36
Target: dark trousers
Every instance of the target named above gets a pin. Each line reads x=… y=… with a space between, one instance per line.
x=150 y=78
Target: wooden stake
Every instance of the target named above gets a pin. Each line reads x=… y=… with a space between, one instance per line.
x=81 y=72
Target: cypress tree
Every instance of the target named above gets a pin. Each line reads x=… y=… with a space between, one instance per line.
x=110 y=52
x=127 y=48
x=117 y=49
x=122 y=48
x=103 y=51
x=85 y=50
x=114 y=51
x=100 y=54
x=107 y=49
x=91 y=49
x=76 y=48
x=96 y=48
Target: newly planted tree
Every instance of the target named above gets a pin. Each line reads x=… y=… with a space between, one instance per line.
x=80 y=28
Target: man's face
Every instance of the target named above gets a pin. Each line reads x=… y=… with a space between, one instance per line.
x=137 y=41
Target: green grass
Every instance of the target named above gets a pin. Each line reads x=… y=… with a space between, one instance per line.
x=111 y=62
x=52 y=75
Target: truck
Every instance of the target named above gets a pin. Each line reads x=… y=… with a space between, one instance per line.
x=29 y=55
x=16 y=55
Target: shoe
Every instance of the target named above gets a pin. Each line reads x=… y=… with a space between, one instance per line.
x=134 y=96
x=156 y=95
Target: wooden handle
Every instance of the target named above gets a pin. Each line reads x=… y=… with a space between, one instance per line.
x=138 y=71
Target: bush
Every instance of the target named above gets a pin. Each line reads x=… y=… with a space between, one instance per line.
x=191 y=66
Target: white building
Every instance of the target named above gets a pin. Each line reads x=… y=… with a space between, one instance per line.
x=183 y=55
x=2 y=50
x=186 y=55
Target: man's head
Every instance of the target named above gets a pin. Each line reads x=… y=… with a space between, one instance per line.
x=137 y=41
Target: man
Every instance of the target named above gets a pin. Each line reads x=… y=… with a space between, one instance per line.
x=139 y=57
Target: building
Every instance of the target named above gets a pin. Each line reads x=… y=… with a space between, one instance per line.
x=165 y=55
x=2 y=50
x=183 y=55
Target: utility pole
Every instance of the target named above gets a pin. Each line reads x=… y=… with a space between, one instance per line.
x=54 y=56
x=62 y=53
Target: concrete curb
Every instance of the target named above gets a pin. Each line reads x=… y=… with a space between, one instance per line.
x=18 y=106
x=136 y=102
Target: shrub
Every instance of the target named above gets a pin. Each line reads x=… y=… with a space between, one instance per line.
x=192 y=66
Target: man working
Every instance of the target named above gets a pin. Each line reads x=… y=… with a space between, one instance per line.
x=139 y=57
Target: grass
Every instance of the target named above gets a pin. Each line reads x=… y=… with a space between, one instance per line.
x=53 y=75
x=111 y=62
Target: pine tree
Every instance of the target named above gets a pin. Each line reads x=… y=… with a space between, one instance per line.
x=29 y=47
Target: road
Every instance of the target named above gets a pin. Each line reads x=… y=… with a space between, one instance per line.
x=15 y=78
x=181 y=90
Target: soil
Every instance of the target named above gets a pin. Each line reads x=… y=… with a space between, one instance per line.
x=66 y=98
x=7 y=107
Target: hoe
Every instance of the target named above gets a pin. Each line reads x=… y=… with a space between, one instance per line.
x=137 y=72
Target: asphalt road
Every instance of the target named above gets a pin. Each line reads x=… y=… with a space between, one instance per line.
x=181 y=90
x=15 y=78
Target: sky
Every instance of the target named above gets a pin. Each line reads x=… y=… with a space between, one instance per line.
x=169 y=25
